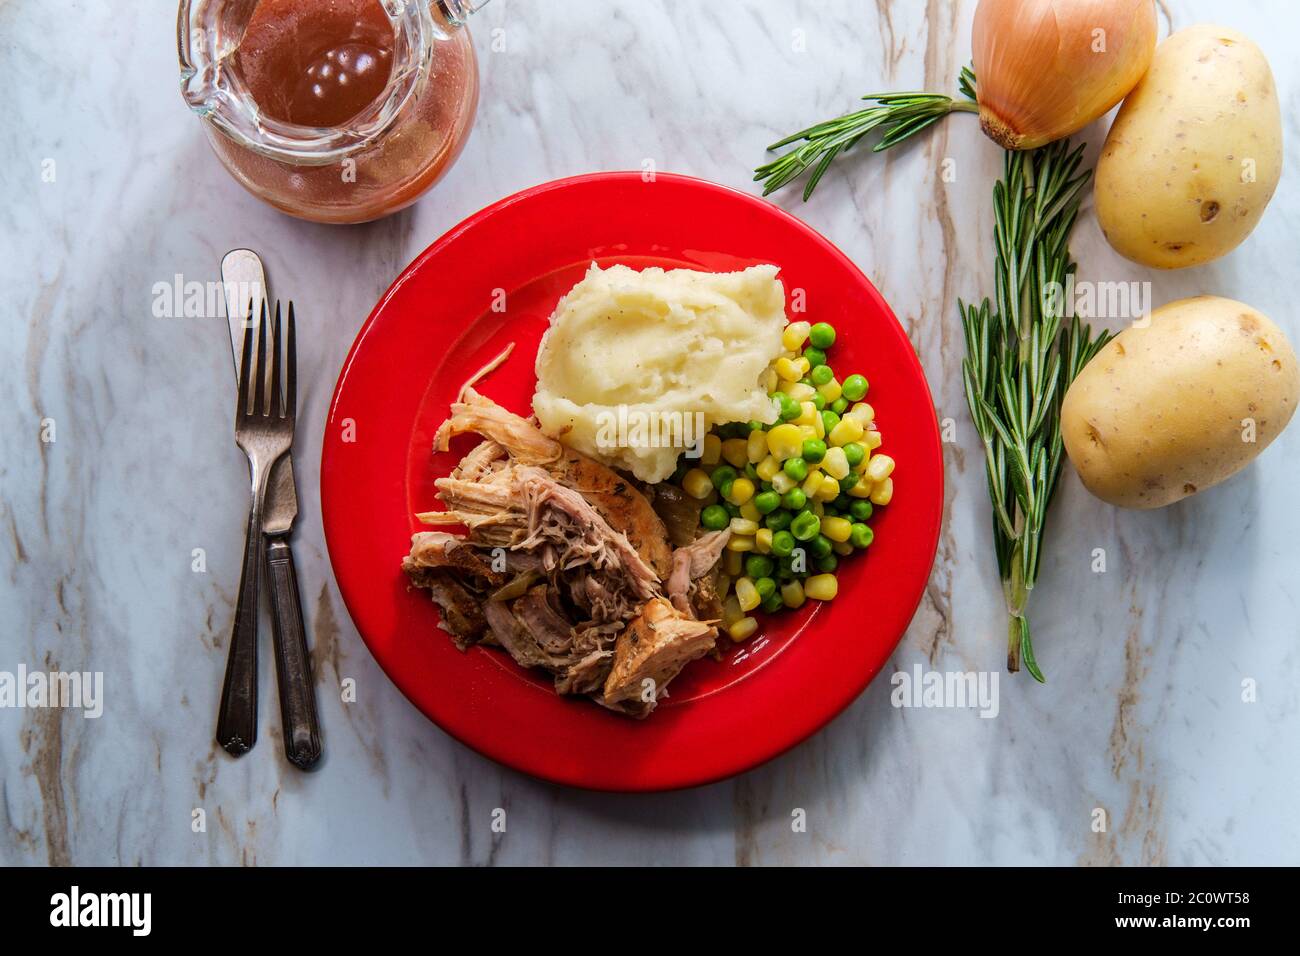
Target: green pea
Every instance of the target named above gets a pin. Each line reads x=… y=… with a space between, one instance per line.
x=839 y=405
x=733 y=510
x=758 y=566
x=783 y=543
x=724 y=489
x=805 y=526
x=828 y=564
x=814 y=450
x=819 y=546
x=784 y=572
x=773 y=602
x=789 y=408
x=755 y=426
x=715 y=517
x=794 y=499
x=806 y=381
x=854 y=388
x=860 y=509
x=854 y=452
x=822 y=335
x=766 y=502
x=815 y=356
x=796 y=468
x=821 y=375
x=752 y=473
x=830 y=418
x=860 y=536
x=722 y=475
x=819 y=403
x=848 y=481
x=764 y=583
x=778 y=521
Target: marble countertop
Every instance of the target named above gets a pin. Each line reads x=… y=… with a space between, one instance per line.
x=1144 y=718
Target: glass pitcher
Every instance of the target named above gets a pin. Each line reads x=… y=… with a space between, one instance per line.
x=331 y=110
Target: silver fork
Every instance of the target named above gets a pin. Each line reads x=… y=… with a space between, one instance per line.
x=264 y=430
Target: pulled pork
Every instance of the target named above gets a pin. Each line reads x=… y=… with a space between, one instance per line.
x=565 y=564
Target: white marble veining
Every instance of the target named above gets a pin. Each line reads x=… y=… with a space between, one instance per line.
x=1143 y=716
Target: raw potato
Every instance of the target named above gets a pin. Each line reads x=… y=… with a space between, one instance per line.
x=1195 y=153
x=1166 y=410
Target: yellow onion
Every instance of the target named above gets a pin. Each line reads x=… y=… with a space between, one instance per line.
x=1047 y=68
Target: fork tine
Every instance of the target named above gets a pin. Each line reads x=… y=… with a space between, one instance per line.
x=259 y=400
x=245 y=363
x=291 y=369
x=277 y=347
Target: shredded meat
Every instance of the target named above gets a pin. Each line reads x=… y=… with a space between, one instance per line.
x=564 y=563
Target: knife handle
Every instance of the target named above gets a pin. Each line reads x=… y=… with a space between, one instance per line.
x=302 y=744
x=237 y=718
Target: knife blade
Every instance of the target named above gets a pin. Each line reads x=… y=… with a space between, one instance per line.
x=243 y=279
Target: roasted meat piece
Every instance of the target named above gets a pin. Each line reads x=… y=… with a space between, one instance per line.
x=565 y=563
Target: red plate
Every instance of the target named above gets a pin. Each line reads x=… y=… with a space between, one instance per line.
x=437 y=324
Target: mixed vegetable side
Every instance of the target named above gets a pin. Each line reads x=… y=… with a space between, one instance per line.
x=796 y=494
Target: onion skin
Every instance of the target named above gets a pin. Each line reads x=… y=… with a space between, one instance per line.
x=1038 y=78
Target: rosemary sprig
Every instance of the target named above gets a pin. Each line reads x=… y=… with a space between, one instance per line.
x=899 y=116
x=1019 y=363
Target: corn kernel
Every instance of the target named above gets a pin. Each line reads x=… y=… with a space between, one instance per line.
x=785 y=441
x=847 y=430
x=750 y=512
x=808 y=432
x=743 y=526
x=803 y=365
x=821 y=587
x=836 y=463
x=756 y=446
x=837 y=529
x=742 y=629
x=817 y=507
x=711 y=453
x=768 y=380
x=735 y=451
x=798 y=391
x=830 y=391
x=788 y=370
x=740 y=543
x=769 y=467
x=829 y=490
x=812 y=483
x=872 y=439
x=808 y=415
x=792 y=593
x=781 y=482
x=742 y=489
x=731 y=612
x=864 y=413
x=697 y=484
x=883 y=492
x=763 y=541
x=733 y=562
x=861 y=466
x=880 y=468
x=842 y=548
x=819 y=427
x=747 y=594
x=723 y=586
x=861 y=490
x=794 y=336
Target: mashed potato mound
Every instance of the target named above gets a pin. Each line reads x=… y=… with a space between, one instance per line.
x=644 y=345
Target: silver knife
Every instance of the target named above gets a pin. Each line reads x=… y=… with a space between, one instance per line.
x=244 y=280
